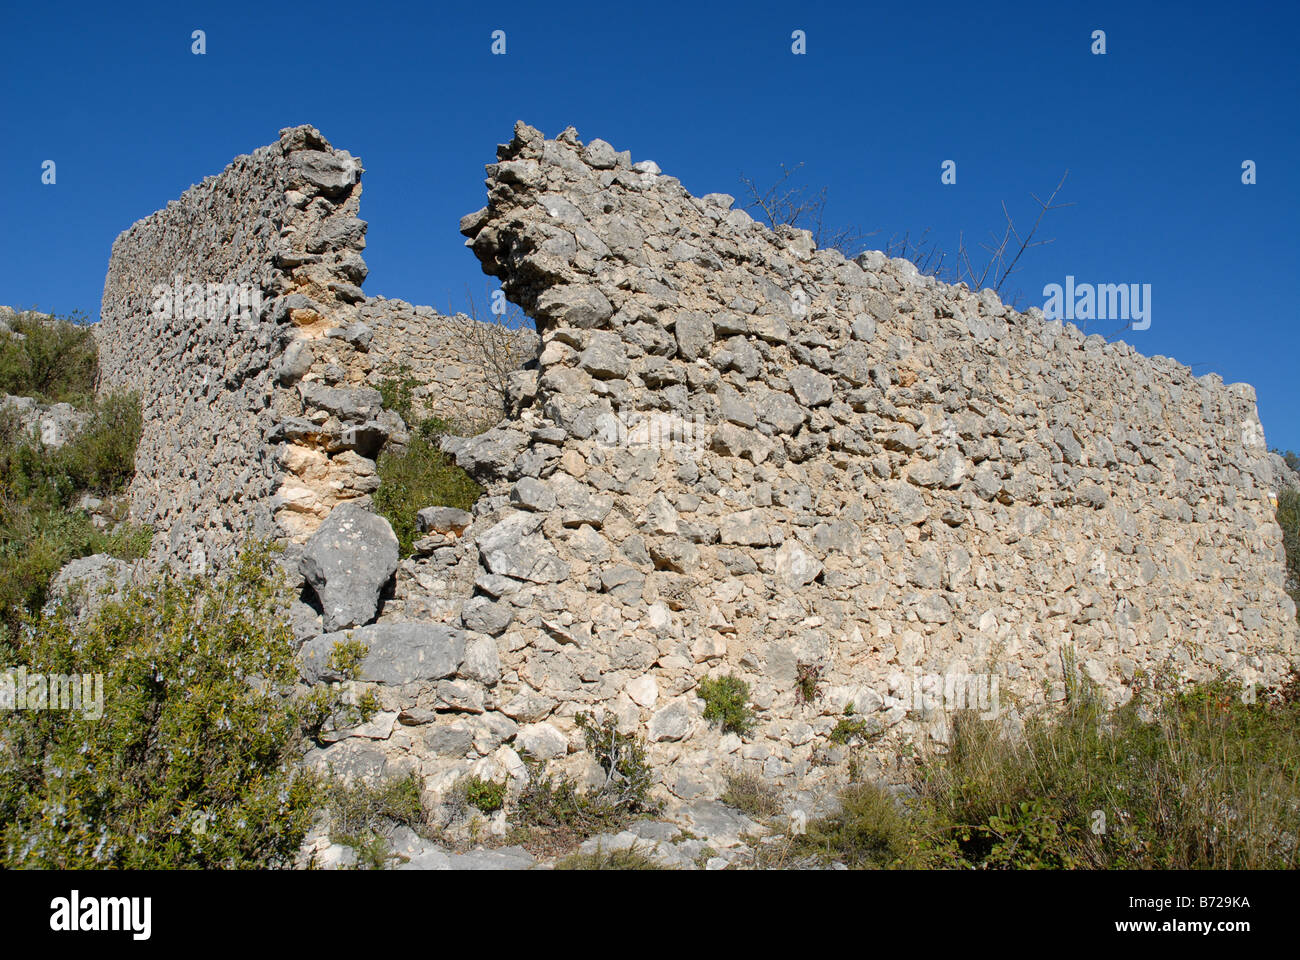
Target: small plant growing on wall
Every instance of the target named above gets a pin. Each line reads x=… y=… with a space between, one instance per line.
x=485 y=795
x=726 y=702
x=808 y=678
x=849 y=728
x=622 y=757
x=420 y=475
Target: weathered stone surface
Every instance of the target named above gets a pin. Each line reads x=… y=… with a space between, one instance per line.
x=351 y=761
x=483 y=615
x=354 y=405
x=672 y=722
x=513 y=548
x=482 y=661
x=532 y=494
x=219 y=311
x=433 y=857
x=259 y=388
x=794 y=566
x=398 y=653
x=748 y=528
x=694 y=335
x=605 y=357
x=446 y=356
x=643 y=691
x=489 y=454
x=347 y=561
x=875 y=475
x=52 y=424
x=543 y=741
x=332 y=173
x=574 y=306
x=811 y=388
x=443 y=519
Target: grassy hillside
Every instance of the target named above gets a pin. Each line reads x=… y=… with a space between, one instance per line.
x=41 y=526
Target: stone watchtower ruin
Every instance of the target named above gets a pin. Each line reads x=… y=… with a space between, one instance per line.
x=237 y=313
x=866 y=472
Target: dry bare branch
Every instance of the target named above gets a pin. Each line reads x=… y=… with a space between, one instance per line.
x=497 y=347
x=795 y=205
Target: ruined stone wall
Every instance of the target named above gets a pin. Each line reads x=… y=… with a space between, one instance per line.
x=203 y=470
x=740 y=454
x=460 y=365
x=261 y=417
x=734 y=454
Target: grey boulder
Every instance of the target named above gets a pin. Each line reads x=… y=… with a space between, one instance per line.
x=347 y=561
x=443 y=520
x=487 y=455
x=398 y=653
x=86 y=583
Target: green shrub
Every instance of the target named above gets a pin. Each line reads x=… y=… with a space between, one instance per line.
x=419 y=476
x=552 y=810
x=36 y=543
x=40 y=530
x=347 y=656
x=1031 y=835
x=807 y=684
x=359 y=814
x=192 y=763
x=398 y=393
x=101 y=458
x=548 y=802
x=628 y=776
x=1212 y=782
x=1288 y=517
x=1204 y=778
x=55 y=362
x=484 y=795
x=726 y=702
x=870 y=829
x=98 y=459
x=849 y=728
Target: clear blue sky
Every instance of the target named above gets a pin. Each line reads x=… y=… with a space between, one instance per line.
x=1153 y=133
